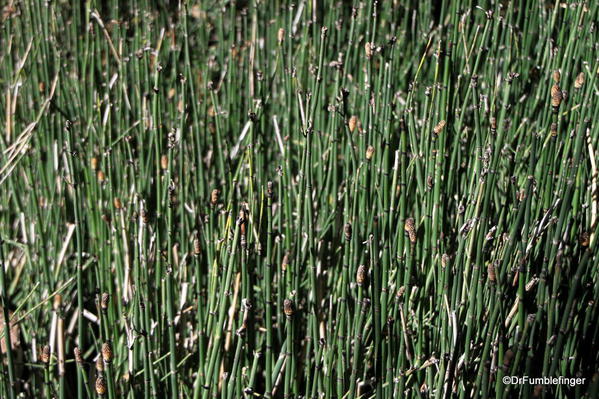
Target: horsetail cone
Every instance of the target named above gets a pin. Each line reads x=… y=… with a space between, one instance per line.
x=285 y=261
x=584 y=239
x=347 y=231
x=288 y=308
x=556 y=76
x=117 y=203
x=429 y=181
x=14 y=333
x=145 y=218
x=439 y=128
x=369 y=152
x=164 y=162
x=361 y=275
x=553 y=129
x=101 y=386
x=368 y=49
x=107 y=352
x=491 y=272
x=77 y=355
x=211 y=127
x=269 y=187
x=94 y=163
x=214 y=196
x=99 y=365
x=101 y=176
x=281 y=35
x=555 y=89
x=104 y=301
x=45 y=355
x=579 y=82
x=410 y=229
x=444 y=260
x=507 y=359
x=556 y=100
x=243 y=238
x=196 y=246
x=400 y=292
x=241 y=220
x=353 y=123
x=106 y=218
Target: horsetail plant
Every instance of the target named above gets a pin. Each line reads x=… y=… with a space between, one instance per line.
x=317 y=199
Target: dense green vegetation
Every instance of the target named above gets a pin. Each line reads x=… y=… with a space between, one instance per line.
x=320 y=200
